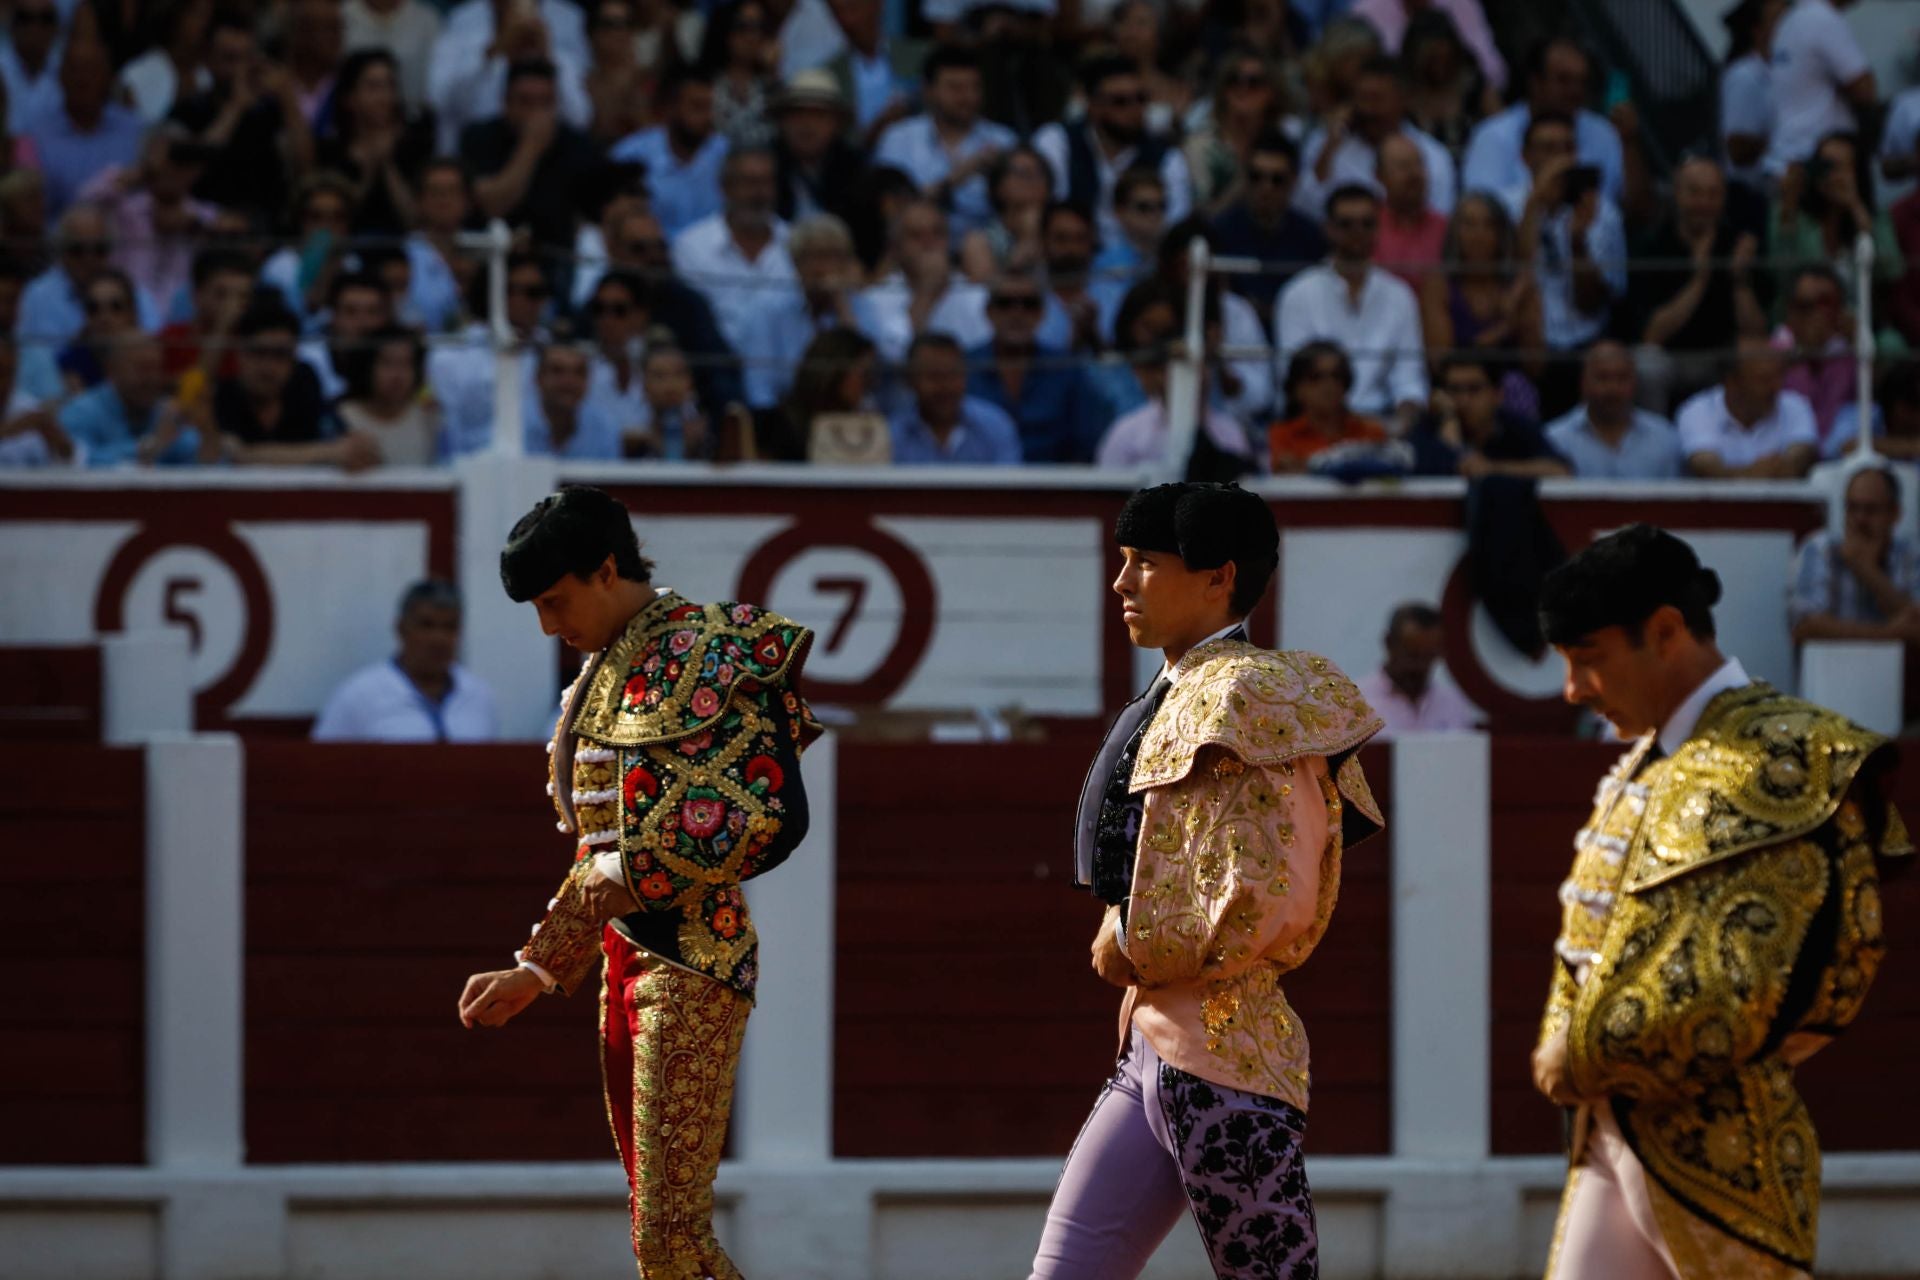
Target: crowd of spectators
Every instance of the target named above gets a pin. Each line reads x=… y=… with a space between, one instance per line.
x=787 y=230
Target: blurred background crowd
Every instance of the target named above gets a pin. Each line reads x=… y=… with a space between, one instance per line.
x=1447 y=236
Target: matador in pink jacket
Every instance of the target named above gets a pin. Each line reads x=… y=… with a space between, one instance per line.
x=1212 y=823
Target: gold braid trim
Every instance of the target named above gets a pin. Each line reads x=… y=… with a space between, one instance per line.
x=567 y=942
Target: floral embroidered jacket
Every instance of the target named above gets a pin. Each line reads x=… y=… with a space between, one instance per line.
x=1251 y=792
x=1721 y=923
x=676 y=767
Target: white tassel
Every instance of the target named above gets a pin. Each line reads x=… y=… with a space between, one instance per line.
x=609 y=836
x=596 y=797
x=595 y=755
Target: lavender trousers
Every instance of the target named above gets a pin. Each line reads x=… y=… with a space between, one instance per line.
x=1161 y=1141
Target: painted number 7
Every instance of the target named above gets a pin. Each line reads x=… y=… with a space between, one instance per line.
x=855 y=590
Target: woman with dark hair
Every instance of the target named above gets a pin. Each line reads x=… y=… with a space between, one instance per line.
x=1483 y=299
x=1247 y=101
x=836 y=376
x=112 y=311
x=371 y=139
x=618 y=84
x=1824 y=207
x=1019 y=186
x=1445 y=92
x=739 y=52
x=1318 y=379
x=384 y=376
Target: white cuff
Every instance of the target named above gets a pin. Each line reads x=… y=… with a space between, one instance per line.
x=1120 y=933
x=611 y=866
x=546 y=979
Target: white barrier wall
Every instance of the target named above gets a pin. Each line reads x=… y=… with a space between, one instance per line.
x=932 y=590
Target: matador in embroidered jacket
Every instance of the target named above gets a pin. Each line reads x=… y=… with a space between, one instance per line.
x=1720 y=925
x=675 y=771
x=1213 y=823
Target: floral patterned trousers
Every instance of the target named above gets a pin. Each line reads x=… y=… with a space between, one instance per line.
x=1161 y=1142
x=670 y=1043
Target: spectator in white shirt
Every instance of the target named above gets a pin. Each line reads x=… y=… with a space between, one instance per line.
x=617 y=311
x=925 y=295
x=1746 y=88
x=1571 y=233
x=1819 y=79
x=1369 y=313
x=737 y=258
x=1748 y=428
x=683 y=153
x=467 y=74
x=461 y=374
x=1559 y=80
x=779 y=332
x=1347 y=148
x=948 y=148
x=1404 y=691
x=1087 y=156
x=559 y=420
x=1606 y=436
x=421 y=694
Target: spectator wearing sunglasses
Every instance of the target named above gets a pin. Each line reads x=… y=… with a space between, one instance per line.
x=1319 y=378
x=1264 y=224
x=1140 y=207
x=1089 y=155
x=617 y=317
x=1368 y=313
x=461 y=374
x=53 y=307
x=1035 y=384
x=109 y=305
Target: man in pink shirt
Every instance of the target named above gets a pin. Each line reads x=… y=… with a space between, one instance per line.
x=1390 y=19
x=1403 y=690
x=1823 y=368
x=1413 y=234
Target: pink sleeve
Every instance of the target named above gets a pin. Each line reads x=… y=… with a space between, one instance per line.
x=25 y=154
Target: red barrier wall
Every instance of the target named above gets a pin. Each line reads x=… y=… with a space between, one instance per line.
x=50 y=693
x=967 y=1022
x=72 y=942
x=378 y=878
x=1542 y=792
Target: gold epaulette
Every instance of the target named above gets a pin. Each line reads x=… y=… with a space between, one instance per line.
x=1760 y=768
x=1266 y=707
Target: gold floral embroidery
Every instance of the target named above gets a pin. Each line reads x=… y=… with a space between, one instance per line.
x=686 y=1049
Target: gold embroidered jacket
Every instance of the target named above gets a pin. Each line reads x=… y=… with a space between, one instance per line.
x=678 y=753
x=1725 y=906
x=1250 y=792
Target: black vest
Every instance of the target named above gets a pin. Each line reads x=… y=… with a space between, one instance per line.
x=1083 y=166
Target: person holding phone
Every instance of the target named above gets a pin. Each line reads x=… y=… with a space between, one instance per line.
x=1576 y=241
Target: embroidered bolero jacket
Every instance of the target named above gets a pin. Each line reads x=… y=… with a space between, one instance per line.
x=676 y=767
x=1250 y=792
x=1724 y=907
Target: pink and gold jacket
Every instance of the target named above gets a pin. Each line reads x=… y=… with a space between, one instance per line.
x=1251 y=793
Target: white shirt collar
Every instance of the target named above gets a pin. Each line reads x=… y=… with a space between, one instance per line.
x=1686 y=717
x=1167 y=668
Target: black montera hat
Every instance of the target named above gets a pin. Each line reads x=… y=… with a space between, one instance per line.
x=570 y=532
x=1620 y=581
x=1206 y=525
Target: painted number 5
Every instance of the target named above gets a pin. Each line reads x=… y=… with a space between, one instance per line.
x=855 y=590
x=176 y=610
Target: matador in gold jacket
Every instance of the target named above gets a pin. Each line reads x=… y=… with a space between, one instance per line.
x=1212 y=822
x=675 y=771
x=1721 y=924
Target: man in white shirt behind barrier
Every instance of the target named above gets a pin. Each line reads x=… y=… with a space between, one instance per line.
x=421 y=694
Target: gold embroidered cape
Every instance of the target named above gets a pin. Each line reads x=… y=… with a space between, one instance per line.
x=1726 y=900
x=1250 y=792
